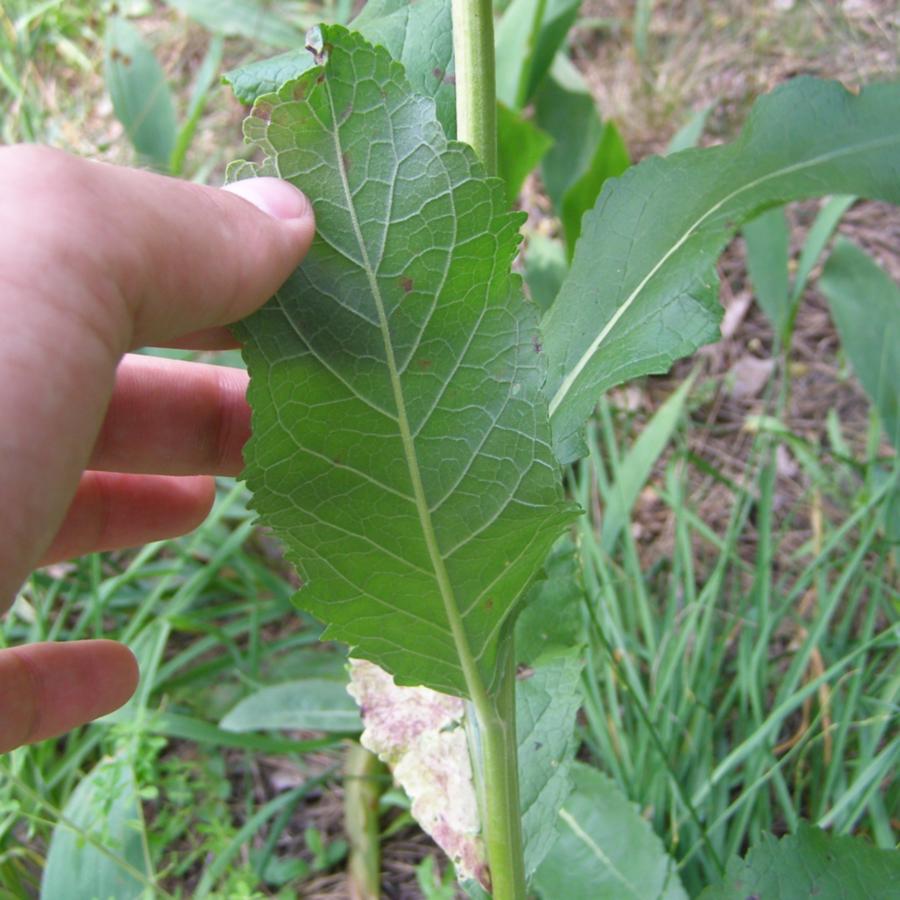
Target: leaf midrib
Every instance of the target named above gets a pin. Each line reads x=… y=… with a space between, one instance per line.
x=572 y=377
x=474 y=683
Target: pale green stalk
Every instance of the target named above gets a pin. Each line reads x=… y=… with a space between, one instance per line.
x=494 y=745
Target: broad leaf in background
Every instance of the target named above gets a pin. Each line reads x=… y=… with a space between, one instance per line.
x=545 y=269
x=277 y=25
x=419 y=35
x=527 y=39
x=562 y=100
x=605 y=850
x=520 y=147
x=308 y=704
x=140 y=94
x=811 y=863
x=401 y=448
x=632 y=306
x=865 y=305
x=99 y=846
x=610 y=159
x=768 y=242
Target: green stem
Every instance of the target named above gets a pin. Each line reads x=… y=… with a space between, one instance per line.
x=476 y=95
x=500 y=774
x=492 y=739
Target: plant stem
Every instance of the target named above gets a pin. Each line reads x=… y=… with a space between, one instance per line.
x=476 y=94
x=500 y=772
x=493 y=739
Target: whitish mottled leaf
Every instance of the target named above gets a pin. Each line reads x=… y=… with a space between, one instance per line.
x=563 y=99
x=811 y=863
x=605 y=849
x=520 y=147
x=140 y=94
x=102 y=853
x=401 y=450
x=639 y=294
x=865 y=304
x=308 y=704
x=421 y=735
x=527 y=38
x=419 y=35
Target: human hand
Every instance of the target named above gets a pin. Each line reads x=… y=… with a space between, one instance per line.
x=101 y=449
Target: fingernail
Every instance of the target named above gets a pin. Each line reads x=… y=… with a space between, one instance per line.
x=274 y=197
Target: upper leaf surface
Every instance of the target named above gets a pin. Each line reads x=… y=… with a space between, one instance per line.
x=419 y=35
x=641 y=291
x=401 y=446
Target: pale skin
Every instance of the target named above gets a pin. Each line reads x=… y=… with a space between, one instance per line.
x=102 y=449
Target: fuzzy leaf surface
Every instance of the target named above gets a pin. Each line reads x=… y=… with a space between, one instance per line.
x=419 y=35
x=401 y=447
x=641 y=291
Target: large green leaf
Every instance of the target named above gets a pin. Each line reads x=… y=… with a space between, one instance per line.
x=811 y=863
x=605 y=849
x=401 y=448
x=642 y=290
x=99 y=851
x=419 y=35
x=865 y=304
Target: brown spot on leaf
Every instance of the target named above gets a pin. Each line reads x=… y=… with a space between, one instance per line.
x=424 y=363
x=263 y=111
x=490 y=604
x=321 y=79
x=345 y=160
x=438 y=72
x=536 y=343
x=299 y=92
x=406 y=284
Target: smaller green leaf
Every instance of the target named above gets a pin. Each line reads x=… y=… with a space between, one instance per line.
x=562 y=101
x=140 y=94
x=309 y=704
x=811 y=863
x=768 y=238
x=865 y=305
x=545 y=269
x=520 y=147
x=253 y=20
x=605 y=849
x=100 y=851
x=610 y=159
x=819 y=234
